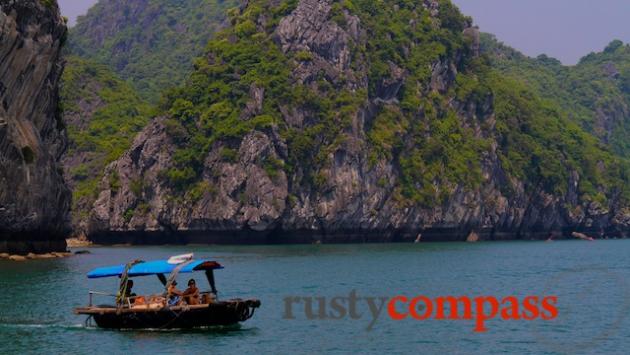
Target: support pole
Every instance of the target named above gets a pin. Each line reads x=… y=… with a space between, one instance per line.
x=210 y=276
x=162 y=279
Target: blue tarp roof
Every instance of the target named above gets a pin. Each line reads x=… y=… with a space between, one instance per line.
x=153 y=268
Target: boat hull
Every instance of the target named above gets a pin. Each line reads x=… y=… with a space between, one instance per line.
x=215 y=314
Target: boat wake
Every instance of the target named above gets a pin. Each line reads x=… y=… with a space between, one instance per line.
x=237 y=328
x=213 y=329
x=23 y=326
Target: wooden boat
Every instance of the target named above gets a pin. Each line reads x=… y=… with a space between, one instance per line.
x=154 y=312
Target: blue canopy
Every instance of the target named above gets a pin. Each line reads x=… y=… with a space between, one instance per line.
x=153 y=268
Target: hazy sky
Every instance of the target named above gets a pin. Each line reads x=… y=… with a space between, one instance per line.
x=74 y=8
x=564 y=29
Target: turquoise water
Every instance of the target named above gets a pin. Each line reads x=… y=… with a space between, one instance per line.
x=589 y=278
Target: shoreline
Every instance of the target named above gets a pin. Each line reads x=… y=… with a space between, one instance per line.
x=75 y=245
x=33 y=256
x=252 y=238
x=130 y=245
x=140 y=238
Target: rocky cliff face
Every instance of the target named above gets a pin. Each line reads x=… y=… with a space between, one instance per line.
x=34 y=201
x=338 y=138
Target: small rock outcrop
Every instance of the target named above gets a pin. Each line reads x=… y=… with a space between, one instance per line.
x=472 y=237
x=34 y=200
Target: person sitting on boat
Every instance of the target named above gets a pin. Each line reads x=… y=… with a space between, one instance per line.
x=191 y=295
x=129 y=295
x=174 y=295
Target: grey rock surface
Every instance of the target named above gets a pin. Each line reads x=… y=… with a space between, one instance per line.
x=34 y=200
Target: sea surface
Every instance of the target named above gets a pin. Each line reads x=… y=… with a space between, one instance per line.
x=590 y=279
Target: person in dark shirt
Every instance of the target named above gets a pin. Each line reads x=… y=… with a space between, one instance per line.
x=129 y=295
x=128 y=289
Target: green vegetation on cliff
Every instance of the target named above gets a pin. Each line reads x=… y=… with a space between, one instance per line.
x=407 y=35
x=103 y=114
x=540 y=144
x=595 y=93
x=150 y=43
x=208 y=108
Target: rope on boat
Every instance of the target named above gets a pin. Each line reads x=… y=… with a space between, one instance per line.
x=122 y=288
x=243 y=309
x=177 y=315
x=88 y=321
x=164 y=326
x=175 y=272
x=252 y=313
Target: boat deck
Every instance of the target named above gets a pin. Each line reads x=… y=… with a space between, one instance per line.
x=157 y=308
x=138 y=309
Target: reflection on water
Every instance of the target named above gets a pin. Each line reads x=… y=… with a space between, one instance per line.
x=590 y=280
